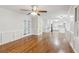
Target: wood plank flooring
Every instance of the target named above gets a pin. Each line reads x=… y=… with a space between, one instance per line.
x=45 y=43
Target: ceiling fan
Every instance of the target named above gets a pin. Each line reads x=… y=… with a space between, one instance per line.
x=35 y=10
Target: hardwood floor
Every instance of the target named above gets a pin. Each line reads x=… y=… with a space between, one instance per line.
x=45 y=43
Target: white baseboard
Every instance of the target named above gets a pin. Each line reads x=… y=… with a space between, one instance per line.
x=15 y=39
x=73 y=48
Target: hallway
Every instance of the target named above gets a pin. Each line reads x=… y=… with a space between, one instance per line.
x=54 y=42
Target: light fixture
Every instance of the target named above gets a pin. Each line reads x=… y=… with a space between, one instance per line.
x=34 y=8
x=33 y=13
x=56 y=20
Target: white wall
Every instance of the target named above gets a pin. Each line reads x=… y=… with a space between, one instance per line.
x=11 y=25
x=40 y=25
x=76 y=32
x=71 y=36
x=46 y=23
x=11 y=21
x=37 y=25
x=58 y=24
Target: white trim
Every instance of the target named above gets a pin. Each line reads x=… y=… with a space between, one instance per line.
x=73 y=47
x=14 y=39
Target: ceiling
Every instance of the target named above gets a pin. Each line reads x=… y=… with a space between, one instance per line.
x=52 y=9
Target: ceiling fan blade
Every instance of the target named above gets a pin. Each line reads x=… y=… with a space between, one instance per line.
x=34 y=7
x=42 y=11
x=38 y=14
x=25 y=10
x=28 y=13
